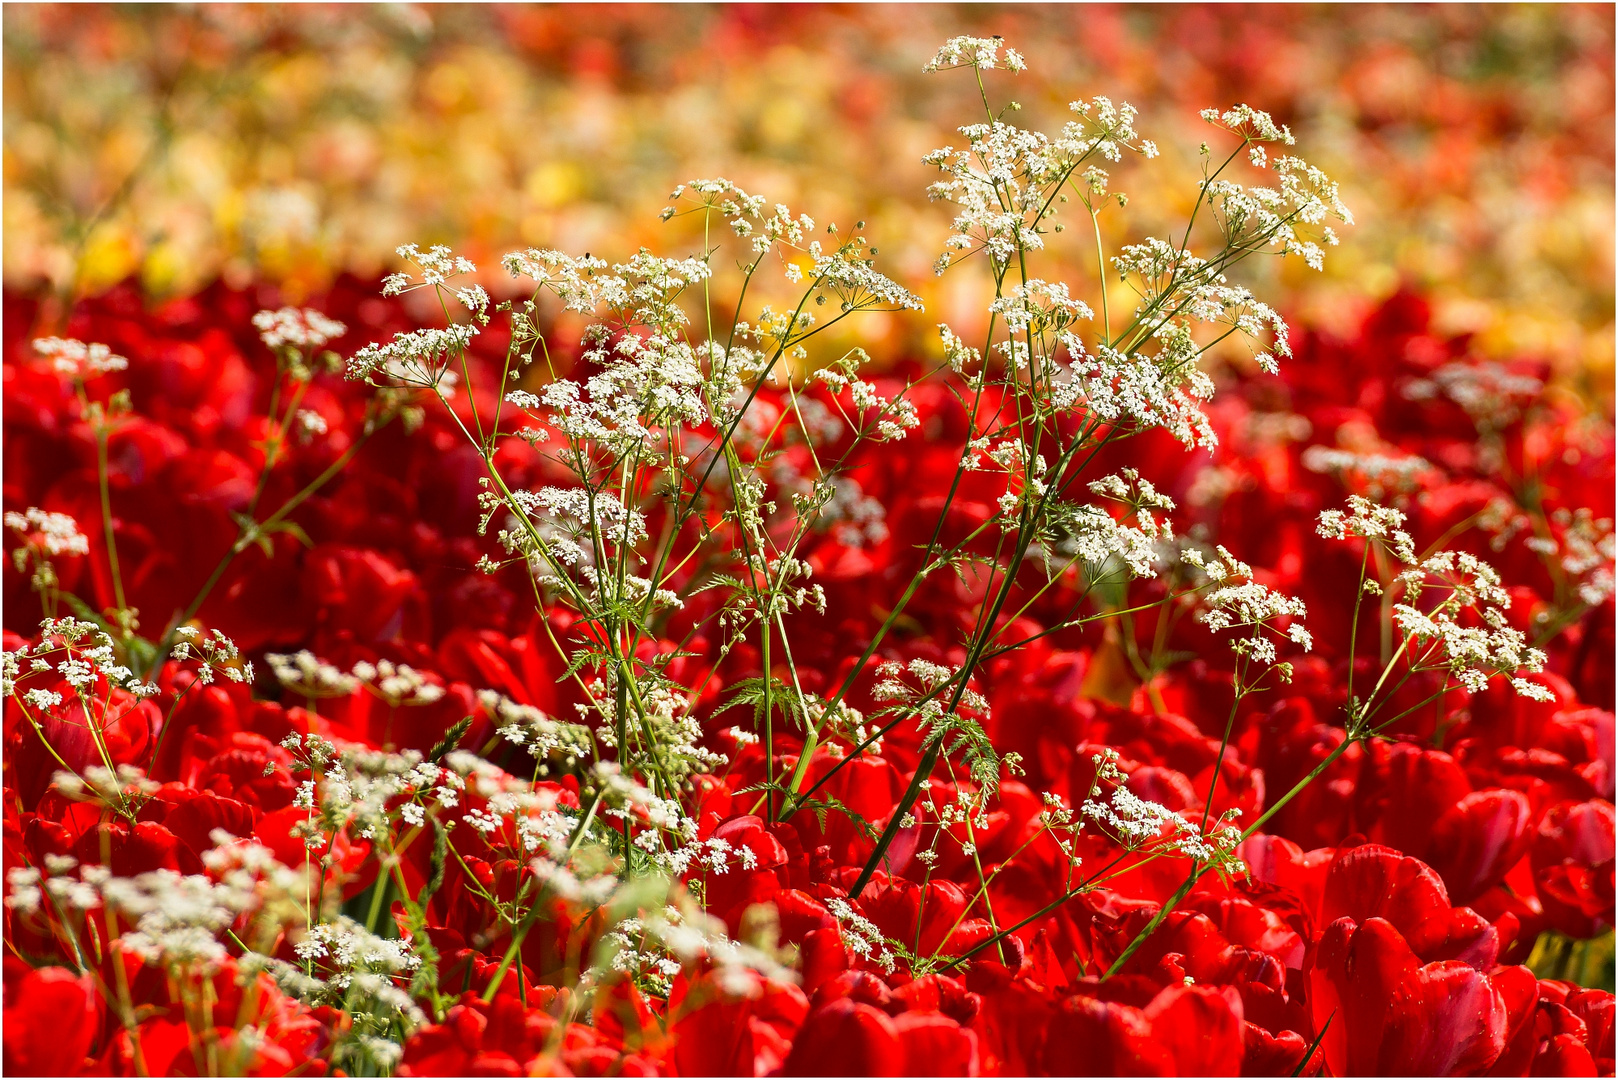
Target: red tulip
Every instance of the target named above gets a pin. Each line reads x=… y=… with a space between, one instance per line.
x=52 y=1020
x=1573 y=867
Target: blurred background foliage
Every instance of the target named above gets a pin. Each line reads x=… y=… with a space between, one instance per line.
x=290 y=144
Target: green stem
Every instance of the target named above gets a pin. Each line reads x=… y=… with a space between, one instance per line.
x=106 y=517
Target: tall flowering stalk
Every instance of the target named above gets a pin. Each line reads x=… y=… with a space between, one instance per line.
x=704 y=447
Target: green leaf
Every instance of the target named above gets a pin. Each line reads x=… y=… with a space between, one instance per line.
x=292 y=529
x=822 y=805
x=1309 y=1053
x=581 y=658
x=782 y=695
x=717 y=580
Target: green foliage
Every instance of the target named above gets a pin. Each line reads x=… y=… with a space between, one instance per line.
x=1586 y=963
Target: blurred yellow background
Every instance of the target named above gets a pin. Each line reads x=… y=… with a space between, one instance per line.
x=293 y=143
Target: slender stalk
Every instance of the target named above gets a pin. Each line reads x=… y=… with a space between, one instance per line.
x=106 y=516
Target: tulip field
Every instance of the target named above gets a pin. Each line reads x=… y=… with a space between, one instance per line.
x=808 y=540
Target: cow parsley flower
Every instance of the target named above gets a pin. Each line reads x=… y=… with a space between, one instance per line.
x=50 y=532
x=306 y=674
x=303 y=328
x=1370 y=521
x=982 y=54
x=437 y=265
x=74 y=359
x=862 y=936
x=417 y=358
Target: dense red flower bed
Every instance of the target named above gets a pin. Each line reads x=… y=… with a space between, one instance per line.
x=1389 y=909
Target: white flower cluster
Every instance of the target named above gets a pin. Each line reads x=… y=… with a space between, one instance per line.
x=1005 y=180
x=1260 y=217
x=1166 y=390
x=309 y=425
x=636 y=951
x=571 y=279
x=571 y=522
x=348 y=967
x=1474 y=654
x=779 y=229
x=1098 y=538
x=574 y=886
x=958 y=354
x=365 y=791
x=539 y=826
x=212 y=653
x=1026 y=477
x=1135 y=823
x=1061 y=823
x=48 y=532
x=1586 y=552
x=643 y=384
x=178 y=919
x=1170 y=277
x=1249 y=123
x=641 y=291
x=957 y=729
x=893 y=417
x=656 y=946
x=87 y=661
x=974 y=52
x=30 y=889
x=1094 y=535
x=397 y=684
x=724 y=196
x=627 y=799
x=303 y=328
x=74 y=359
x=415 y=358
x=175 y=918
x=1448 y=635
x=676 y=732
x=123 y=789
x=1104 y=128
x=1039 y=307
x=1370 y=521
x=1267 y=216
x=305 y=673
x=1129 y=819
x=534 y=731
x=1249 y=604
x=374 y=1005
x=345 y=947
x=1378 y=474
x=437 y=264
x=970 y=808
x=853 y=281
x=711 y=856
x=1471 y=654
x=930 y=680
x=1257 y=606
x=999 y=183
x=1491 y=394
x=861 y=936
